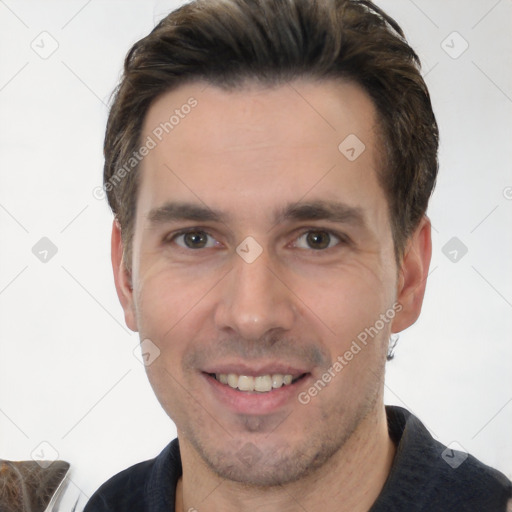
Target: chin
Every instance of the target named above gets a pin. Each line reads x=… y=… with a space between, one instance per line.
x=260 y=472
x=276 y=464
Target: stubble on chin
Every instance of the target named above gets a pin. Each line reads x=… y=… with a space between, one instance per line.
x=273 y=460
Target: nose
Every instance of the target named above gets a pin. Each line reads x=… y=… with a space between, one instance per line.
x=255 y=300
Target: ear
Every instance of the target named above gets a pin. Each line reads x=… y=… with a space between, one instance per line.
x=412 y=277
x=122 y=277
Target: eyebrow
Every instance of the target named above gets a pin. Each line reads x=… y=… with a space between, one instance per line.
x=332 y=211
x=173 y=211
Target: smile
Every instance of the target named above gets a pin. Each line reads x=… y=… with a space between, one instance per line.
x=259 y=383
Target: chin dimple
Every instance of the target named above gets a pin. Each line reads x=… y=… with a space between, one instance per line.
x=260 y=383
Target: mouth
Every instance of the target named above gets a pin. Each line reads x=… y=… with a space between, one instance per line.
x=261 y=388
x=266 y=383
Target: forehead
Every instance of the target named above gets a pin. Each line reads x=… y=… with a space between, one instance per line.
x=254 y=146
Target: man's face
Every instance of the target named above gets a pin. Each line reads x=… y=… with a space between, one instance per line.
x=286 y=303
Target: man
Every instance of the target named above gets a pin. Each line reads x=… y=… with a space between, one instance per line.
x=269 y=164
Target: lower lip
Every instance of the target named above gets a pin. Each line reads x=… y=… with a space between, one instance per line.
x=253 y=402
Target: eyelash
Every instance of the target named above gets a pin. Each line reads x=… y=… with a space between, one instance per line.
x=342 y=238
x=171 y=238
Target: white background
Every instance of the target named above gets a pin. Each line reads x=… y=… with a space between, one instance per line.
x=68 y=375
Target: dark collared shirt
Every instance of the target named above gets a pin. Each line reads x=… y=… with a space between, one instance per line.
x=426 y=476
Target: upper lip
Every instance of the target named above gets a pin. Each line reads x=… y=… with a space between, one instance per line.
x=255 y=369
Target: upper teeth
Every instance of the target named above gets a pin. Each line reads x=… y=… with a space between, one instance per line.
x=261 y=383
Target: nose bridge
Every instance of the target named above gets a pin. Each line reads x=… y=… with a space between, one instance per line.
x=254 y=301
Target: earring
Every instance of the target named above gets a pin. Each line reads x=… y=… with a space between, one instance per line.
x=393 y=341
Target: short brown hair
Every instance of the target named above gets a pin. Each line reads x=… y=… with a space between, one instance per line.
x=227 y=42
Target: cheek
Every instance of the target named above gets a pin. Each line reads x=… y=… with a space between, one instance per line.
x=345 y=300
x=164 y=297
x=169 y=312
x=158 y=307
x=174 y=311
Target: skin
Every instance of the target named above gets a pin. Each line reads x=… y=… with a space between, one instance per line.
x=249 y=153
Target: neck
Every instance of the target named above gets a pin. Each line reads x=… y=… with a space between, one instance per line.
x=350 y=481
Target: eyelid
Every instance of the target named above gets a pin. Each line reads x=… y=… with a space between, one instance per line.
x=171 y=237
x=343 y=239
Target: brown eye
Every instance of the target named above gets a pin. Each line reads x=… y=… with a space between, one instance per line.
x=195 y=240
x=317 y=240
